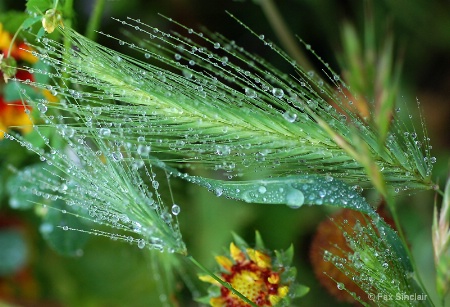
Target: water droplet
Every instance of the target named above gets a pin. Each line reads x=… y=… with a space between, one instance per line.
x=216 y=46
x=141 y=244
x=96 y=111
x=117 y=156
x=218 y=191
x=262 y=189
x=433 y=159
x=42 y=107
x=104 y=132
x=327 y=256
x=65 y=228
x=187 y=74
x=294 y=198
x=340 y=286
x=155 y=184
x=278 y=92
x=250 y=92
x=147 y=55
x=290 y=116
x=143 y=150
x=176 y=209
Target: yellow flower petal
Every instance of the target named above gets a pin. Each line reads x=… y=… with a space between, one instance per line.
x=5 y=38
x=208 y=278
x=283 y=291
x=236 y=253
x=274 y=278
x=262 y=260
x=224 y=262
x=3 y=129
x=217 y=302
x=47 y=94
x=274 y=299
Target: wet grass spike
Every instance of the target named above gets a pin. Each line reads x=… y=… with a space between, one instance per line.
x=227 y=109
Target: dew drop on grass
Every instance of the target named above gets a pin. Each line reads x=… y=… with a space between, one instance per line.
x=104 y=132
x=155 y=184
x=290 y=116
x=250 y=92
x=42 y=107
x=141 y=244
x=262 y=189
x=278 y=92
x=143 y=150
x=340 y=286
x=294 y=198
x=176 y=209
x=218 y=191
x=96 y=111
x=117 y=156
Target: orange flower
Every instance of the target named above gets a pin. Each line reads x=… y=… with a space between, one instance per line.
x=252 y=274
x=19 y=51
x=13 y=115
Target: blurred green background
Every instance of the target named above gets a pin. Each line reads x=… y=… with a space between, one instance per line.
x=108 y=273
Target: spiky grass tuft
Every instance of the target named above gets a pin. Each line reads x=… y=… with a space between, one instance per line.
x=229 y=110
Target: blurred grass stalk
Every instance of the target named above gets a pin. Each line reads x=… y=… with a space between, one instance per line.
x=441 y=244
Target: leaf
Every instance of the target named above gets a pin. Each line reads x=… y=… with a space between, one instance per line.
x=42 y=77
x=259 y=243
x=30 y=21
x=40 y=33
x=203 y=300
x=11 y=20
x=239 y=241
x=299 y=290
x=293 y=191
x=12 y=91
x=61 y=239
x=18 y=188
x=38 y=6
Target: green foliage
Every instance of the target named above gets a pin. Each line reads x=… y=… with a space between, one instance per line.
x=12 y=251
x=214 y=106
x=39 y=6
x=55 y=230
